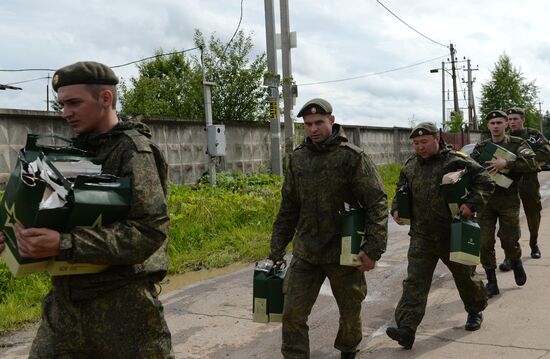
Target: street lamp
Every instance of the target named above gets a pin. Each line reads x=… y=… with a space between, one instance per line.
x=442 y=89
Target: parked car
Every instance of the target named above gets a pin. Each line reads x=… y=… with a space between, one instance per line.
x=467 y=149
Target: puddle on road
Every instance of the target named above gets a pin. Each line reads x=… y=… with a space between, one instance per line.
x=182 y=280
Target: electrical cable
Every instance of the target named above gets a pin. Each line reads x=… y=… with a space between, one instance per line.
x=31 y=80
x=412 y=28
x=372 y=74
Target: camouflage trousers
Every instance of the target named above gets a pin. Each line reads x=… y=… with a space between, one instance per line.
x=302 y=285
x=505 y=209
x=423 y=256
x=124 y=323
x=529 y=192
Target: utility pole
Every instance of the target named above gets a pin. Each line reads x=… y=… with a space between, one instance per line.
x=287 y=76
x=272 y=84
x=442 y=93
x=48 y=94
x=206 y=86
x=472 y=120
x=541 y=117
x=453 y=74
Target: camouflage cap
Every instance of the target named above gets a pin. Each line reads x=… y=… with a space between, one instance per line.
x=85 y=72
x=495 y=114
x=316 y=105
x=424 y=128
x=515 y=111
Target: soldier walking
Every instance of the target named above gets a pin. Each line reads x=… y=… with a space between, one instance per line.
x=430 y=231
x=322 y=174
x=504 y=203
x=529 y=186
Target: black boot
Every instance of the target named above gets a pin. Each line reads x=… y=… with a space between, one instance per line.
x=519 y=273
x=506 y=265
x=403 y=335
x=347 y=355
x=474 y=321
x=535 y=251
x=492 y=286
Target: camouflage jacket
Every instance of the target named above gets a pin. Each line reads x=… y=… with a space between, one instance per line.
x=524 y=163
x=136 y=247
x=537 y=141
x=431 y=217
x=319 y=179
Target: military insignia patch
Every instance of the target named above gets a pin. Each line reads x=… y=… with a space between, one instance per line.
x=313 y=110
x=526 y=152
x=55 y=80
x=420 y=133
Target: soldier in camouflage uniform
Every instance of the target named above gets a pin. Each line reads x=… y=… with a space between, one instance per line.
x=115 y=313
x=529 y=187
x=504 y=203
x=430 y=231
x=322 y=174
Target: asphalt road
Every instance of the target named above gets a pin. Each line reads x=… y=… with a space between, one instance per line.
x=212 y=318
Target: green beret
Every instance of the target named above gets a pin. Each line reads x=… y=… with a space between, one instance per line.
x=317 y=105
x=515 y=111
x=424 y=128
x=495 y=114
x=85 y=72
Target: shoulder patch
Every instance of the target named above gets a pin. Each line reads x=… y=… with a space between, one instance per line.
x=526 y=151
x=351 y=146
x=140 y=141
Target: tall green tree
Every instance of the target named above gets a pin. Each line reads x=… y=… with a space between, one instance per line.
x=456 y=122
x=508 y=88
x=171 y=86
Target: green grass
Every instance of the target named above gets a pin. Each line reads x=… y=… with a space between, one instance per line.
x=209 y=227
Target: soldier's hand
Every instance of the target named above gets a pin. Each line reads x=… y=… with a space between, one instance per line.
x=37 y=242
x=495 y=165
x=366 y=263
x=465 y=211
x=2 y=242
x=395 y=216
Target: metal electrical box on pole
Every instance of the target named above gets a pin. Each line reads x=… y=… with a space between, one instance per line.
x=215 y=138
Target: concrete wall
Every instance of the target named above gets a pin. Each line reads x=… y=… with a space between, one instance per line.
x=184 y=142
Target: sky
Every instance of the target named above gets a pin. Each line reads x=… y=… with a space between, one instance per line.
x=335 y=40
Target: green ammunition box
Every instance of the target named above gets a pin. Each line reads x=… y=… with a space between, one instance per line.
x=404 y=204
x=465 y=242
x=353 y=234
x=268 y=296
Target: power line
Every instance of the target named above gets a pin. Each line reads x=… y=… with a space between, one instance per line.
x=236 y=30
x=374 y=73
x=153 y=57
x=113 y=67
x=31 y=80
x=412 y=28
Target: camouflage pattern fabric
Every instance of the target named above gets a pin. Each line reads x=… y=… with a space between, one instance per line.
x=302 y=286
x=431 y=217
x=430 y=232
x=125 y=323
x=505 y=209
x=135 y=249
x=504 y=203
x=529 y=192
x=423 y=256
x=318 y=180
x=529 y=187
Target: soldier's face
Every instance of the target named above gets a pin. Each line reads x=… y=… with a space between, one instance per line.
x=318 y=127
x=426 y=146
x=497 y=126
x=83 y=112
x=516 y=122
